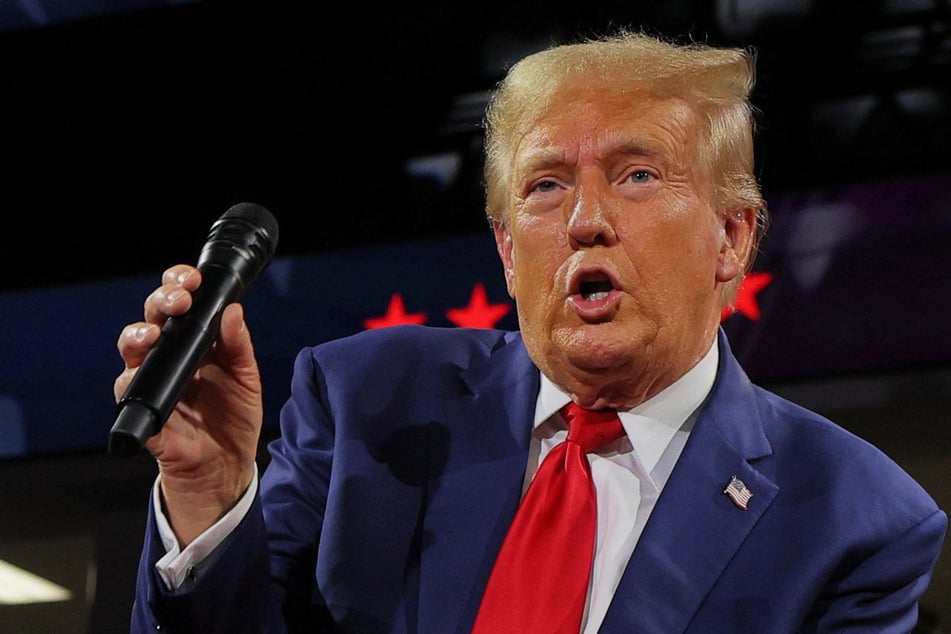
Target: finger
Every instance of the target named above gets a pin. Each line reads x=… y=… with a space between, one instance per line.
x=134 y=342
x=173 y=297
x=184 y=275
x=234 y=338
x=121 y=384
x=166 y=301
x=234 y=349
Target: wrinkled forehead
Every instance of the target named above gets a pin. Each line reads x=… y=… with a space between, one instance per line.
x=583 y=87
x=599 y=117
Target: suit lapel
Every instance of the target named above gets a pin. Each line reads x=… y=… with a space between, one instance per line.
x=472 y=504
x=695 y=529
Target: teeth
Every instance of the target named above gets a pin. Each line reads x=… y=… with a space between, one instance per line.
x=595 y=289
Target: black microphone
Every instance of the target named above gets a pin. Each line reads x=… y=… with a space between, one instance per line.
x=240 y=245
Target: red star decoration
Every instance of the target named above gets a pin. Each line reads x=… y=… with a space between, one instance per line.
x=395 y=315
x=745 y=302
x=479 y=313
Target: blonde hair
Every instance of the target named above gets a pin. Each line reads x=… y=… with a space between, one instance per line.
x=717 y=82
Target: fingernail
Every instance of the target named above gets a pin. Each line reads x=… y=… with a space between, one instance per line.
x=173 y=296
x=140 y=332
x=181 y=277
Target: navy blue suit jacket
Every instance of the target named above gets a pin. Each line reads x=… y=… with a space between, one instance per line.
x=400 y=466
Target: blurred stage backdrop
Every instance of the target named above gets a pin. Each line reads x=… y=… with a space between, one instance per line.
x=850 y=280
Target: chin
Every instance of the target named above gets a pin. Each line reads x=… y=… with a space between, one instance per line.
x=599 y=347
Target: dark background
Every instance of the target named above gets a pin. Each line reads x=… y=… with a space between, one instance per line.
x=130 y=126
x=127 y=133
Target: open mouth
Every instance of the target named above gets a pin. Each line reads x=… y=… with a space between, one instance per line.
x=593 y=290
x=594 y=293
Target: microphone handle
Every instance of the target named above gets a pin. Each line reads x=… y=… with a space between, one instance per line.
x=159 y=382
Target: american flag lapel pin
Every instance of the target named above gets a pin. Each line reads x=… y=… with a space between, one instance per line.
x=738 y=492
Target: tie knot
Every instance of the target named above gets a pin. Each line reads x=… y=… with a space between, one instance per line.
x=592 y=428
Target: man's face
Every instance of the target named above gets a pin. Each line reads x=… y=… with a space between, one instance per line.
x=612 y=247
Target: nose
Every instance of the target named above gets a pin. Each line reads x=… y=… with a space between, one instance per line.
x=590 y=223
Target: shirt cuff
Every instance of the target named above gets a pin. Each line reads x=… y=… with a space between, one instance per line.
x=177 y=565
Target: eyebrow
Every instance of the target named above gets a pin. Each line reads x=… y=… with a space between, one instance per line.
x=551 y=156
x=539 y=159
x=640 y=147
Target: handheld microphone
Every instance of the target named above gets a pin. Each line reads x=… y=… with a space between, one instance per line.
x=240 y=245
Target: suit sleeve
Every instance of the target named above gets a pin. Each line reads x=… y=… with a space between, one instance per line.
x=261 y=578
x=231 y=594
x=880 y=593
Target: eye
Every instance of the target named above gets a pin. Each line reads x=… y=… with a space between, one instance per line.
x=545 y=186
x=640 y=176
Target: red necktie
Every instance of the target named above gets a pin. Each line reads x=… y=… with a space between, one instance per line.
x=540 y=580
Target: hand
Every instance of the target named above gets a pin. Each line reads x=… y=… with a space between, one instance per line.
x=207 y=447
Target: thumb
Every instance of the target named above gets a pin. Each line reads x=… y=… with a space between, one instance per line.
x=234 y=344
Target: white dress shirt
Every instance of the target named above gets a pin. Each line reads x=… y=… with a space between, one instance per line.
x=628 y=474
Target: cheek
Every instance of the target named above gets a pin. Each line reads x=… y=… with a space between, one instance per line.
x=531 y=277
x=673 y=254
x=536 y=258
x=694 y=263
x=691 y=227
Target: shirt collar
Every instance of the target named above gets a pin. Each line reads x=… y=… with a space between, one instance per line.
x=651 y=425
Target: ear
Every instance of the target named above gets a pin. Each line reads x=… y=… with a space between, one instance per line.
x=506 y=250
x=737 y=230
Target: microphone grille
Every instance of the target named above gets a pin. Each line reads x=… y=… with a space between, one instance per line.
x=256 y=215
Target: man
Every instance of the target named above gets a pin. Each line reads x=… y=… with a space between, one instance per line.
x=621 y=194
